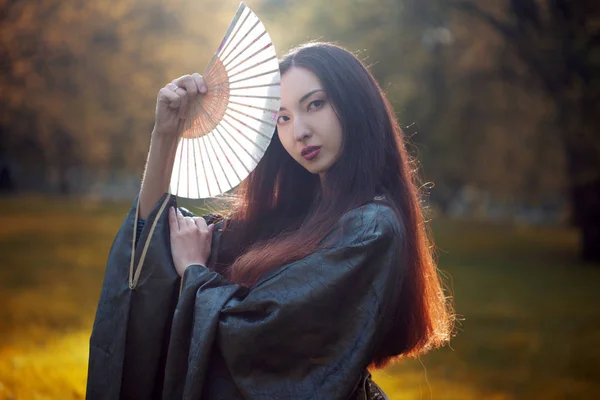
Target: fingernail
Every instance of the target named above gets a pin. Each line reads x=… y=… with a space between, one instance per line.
x=202 y=89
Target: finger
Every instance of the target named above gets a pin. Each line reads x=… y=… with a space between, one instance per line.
x=189 y=222
x=178 y=81
x=183 y=95
x=181 y=90
x=199 y=80
x=168 y=97
x=201 y=224
x=174 y=225
x=187 y=90
x=187 y=82
x=183 y=220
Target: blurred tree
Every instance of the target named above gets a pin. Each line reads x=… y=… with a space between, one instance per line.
x=435 y=66
x=86 y=75
x=79 y=82
x=556 y=44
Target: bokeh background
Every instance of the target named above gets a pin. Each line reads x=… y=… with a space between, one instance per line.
x=500 y=101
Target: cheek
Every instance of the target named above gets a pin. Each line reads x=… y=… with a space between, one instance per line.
x=335 y=131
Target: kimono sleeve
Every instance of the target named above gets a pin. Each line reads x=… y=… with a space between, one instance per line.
x=131 y=330
x=127 y=344
x=306 y=331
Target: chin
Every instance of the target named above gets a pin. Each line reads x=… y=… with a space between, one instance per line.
x=316 y=169
x=319 y=167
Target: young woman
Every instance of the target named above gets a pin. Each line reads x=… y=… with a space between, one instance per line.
x=322 y=269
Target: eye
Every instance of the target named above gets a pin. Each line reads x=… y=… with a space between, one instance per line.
x=316 y=104
x=282 y=119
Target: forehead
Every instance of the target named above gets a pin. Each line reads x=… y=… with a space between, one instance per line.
x=295 y=83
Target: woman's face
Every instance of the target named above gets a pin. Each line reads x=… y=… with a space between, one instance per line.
x=308 y=126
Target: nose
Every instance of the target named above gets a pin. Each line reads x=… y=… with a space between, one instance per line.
x=301 y=130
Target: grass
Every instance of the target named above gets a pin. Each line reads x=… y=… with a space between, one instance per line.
x=530 y=323
x=531 y=319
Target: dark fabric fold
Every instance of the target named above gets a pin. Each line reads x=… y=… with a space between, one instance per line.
x=305 y=331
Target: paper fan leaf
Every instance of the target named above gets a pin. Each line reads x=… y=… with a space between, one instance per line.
x=228 y=129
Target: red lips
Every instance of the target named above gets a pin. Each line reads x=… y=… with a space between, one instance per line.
x=310 y=152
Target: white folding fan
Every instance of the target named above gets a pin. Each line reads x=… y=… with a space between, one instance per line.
x=229 y=128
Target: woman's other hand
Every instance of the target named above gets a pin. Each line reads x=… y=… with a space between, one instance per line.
x=190 y=240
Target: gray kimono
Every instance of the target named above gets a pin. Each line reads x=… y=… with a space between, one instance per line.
x=307 y=330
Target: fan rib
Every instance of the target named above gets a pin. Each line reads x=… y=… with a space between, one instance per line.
x=206 y=129
x=212 y=146
x=238 y=29
x=246 y=48
x=244 y=135
x=254 y=76
x=250 y=56
x=212 y=168
x=252 y=117
x=232 y=151
x=214 y=123
x=233 y=25
x=240 y=41
x=235 y=153
x=187 y=156
x=222 y=151
x=248 y=96
x=241 y=133
x=196 y=173
x=256 y=86
x=180 y=164
x=204 y=172
x=252 y=66
x=251 y=106
x=226 y=39
x=198 y=133
x=239 y=144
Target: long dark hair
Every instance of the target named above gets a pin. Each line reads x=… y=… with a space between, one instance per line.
x=283 y=213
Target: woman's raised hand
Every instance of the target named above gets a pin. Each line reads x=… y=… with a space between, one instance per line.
x=172 y=104
x=190 y=240
x=171 y=109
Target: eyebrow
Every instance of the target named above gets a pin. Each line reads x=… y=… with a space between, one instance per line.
x=303 y=98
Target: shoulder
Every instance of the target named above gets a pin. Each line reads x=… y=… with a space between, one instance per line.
x=374 y=215
x=371 y=221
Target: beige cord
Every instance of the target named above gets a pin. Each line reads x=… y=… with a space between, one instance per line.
x=133 y=279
